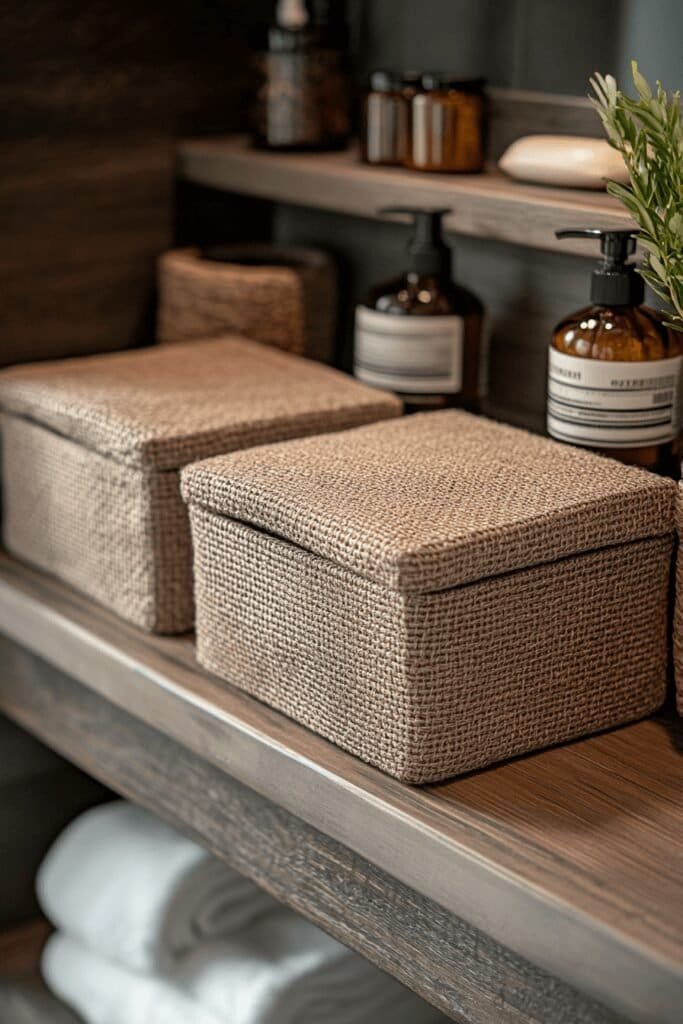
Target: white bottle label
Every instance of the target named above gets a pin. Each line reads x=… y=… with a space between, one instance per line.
x=604 y=404
x=409 y=354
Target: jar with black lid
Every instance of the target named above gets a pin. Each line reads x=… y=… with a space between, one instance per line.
x=303 y=99
x=386 y=123
x=448 y=125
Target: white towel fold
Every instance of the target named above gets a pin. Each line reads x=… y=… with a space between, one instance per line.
x=282 y=970
x=103 y=992
x=128 y=886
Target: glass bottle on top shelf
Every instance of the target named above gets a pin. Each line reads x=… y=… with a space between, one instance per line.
x=614 y=369
x=386 y=117
x=303 y=99
x=448 y=116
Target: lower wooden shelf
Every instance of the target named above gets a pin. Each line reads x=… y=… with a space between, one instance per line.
x=546 y=890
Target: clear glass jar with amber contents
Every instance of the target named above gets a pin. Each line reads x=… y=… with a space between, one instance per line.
x=448 y=125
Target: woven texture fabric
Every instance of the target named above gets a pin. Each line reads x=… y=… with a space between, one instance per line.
x=678 y=605
x=91 y=446
x=437 y=500
x=293 y=309
x=428 y=686
x=166 y=406
x=120 y=535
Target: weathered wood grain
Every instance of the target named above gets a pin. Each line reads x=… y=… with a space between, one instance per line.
x=487 y=205
x=592 y=892
x=93 y=99
x=453 y=965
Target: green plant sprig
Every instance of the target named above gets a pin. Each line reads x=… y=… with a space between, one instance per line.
x=648 y=132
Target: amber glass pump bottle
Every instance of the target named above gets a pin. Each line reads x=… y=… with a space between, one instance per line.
x=419 y=334
x=614 y=368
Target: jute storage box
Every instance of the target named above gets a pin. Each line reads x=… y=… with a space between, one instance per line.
x=678 y=612
x=283 y=296
x=436 y=593
x=92 y=448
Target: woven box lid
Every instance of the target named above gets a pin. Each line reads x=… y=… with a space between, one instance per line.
x=436 y=500
x=163 y=407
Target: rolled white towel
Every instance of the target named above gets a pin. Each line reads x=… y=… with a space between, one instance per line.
x=130 y=887
x=103 y=992
x=284 y=970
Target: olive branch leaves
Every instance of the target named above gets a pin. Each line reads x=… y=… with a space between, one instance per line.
x=648 y=132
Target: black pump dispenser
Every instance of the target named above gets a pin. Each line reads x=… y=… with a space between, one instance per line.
x=429 y=254
x=614 y=281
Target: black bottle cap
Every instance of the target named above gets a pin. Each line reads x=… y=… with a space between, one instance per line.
x=411 y=79
x=440 y=81
x=427 y=249
x=385 y=81
x=614 y=281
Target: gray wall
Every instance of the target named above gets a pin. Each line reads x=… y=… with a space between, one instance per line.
x=548 y=45
x=545 y=45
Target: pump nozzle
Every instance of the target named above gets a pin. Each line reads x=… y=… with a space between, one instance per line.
x=614 y=282
x=428 y=251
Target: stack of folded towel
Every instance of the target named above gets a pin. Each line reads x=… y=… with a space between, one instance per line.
x=154 y=930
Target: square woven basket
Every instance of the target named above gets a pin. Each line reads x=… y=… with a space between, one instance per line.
x=437 y=593
x=92 y=450
x=283 y=296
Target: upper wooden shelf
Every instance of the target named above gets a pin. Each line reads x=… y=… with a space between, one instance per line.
x=572 y=858
x=488 y=205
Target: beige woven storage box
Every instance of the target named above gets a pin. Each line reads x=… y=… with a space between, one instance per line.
x=280 y=296
x=436 y=593
x=92 y=448
x=678 y=612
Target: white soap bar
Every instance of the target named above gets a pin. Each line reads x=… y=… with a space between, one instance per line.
x=566 y=160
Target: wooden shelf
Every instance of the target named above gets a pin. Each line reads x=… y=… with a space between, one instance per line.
x=570 y=861
x=486 y=205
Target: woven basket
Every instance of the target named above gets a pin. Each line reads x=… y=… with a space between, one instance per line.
x=678 y=606
x=434 y=594
x=281 y=296
x=92 y=450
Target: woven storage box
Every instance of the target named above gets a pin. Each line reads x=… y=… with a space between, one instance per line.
x=678 y=612
x=437 y=593
x=92 y=449
x=281 y=296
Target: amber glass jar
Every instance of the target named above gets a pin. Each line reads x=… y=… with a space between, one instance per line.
x=448 y=119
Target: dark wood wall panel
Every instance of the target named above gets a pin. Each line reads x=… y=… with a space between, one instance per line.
x=39 y=794
x=94 y=96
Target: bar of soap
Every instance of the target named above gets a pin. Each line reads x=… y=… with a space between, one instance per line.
x=565 y=160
